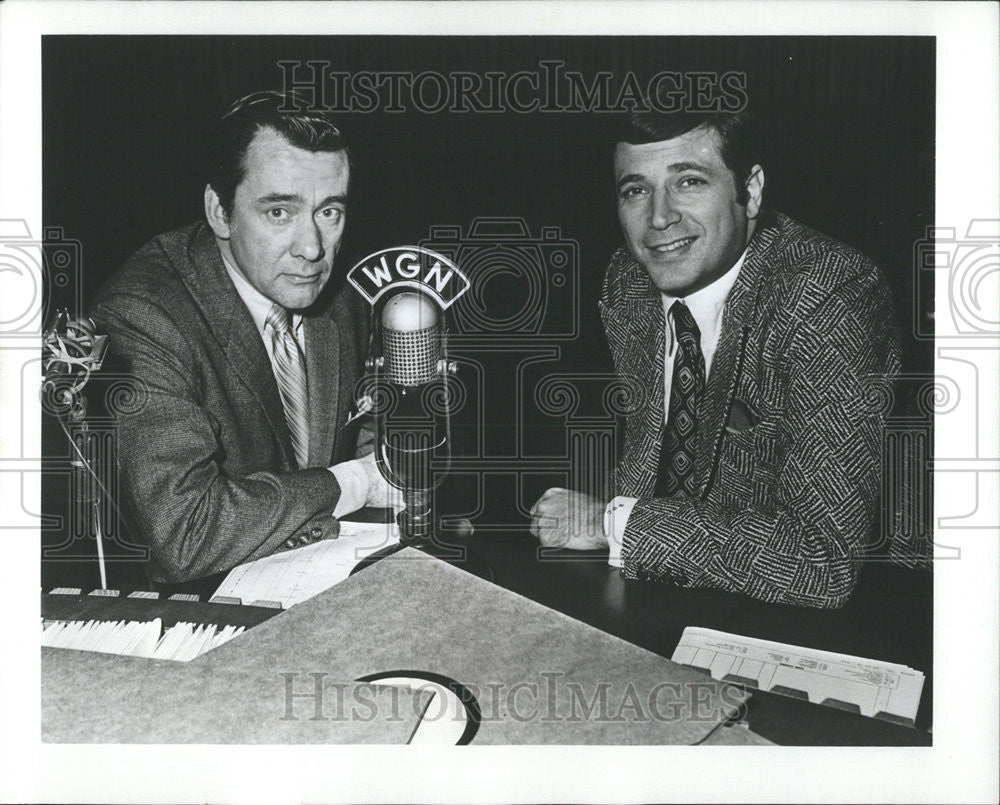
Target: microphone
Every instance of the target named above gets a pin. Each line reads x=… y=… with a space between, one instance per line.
x=409 y=289
x=72 y=351
x=412 y=423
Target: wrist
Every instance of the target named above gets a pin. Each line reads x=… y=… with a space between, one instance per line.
x=353 y=482
x=616 y=515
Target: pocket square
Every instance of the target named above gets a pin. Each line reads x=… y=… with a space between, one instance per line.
x=741 y=417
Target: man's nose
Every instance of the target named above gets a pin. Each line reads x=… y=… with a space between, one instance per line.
x=662 y=212
x=308 y=244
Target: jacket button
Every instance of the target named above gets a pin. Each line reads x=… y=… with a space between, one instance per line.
x=315 y=532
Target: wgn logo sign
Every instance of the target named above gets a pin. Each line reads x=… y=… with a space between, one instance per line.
x=411 y=267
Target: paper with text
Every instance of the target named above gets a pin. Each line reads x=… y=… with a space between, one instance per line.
x=875 y=688
x=291 y=577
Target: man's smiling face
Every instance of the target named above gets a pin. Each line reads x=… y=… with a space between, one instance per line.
x=678 y=207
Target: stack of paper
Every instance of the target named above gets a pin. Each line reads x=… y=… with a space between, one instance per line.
x=185 y=641
x=182 y=642
x=873 y=688
x=135 y=638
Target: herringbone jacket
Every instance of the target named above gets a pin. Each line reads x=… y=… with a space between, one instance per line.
x=789 y=454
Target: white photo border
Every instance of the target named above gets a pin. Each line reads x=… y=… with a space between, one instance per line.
x=961 y=765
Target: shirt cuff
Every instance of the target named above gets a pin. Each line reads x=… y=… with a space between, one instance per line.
x=353 y=487
x=615 y=517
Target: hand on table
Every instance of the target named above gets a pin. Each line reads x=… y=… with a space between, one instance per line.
x=563 y=518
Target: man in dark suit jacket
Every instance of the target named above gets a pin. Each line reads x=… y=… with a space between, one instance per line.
x=244 y=359
x=752 y=459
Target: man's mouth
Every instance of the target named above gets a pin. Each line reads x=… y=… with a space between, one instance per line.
x=672 y=246
x=300 y=279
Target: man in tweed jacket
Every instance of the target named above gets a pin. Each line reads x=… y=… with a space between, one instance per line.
x=207 y=464
x=794 y=327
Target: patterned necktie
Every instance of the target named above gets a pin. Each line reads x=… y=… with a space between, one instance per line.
x=290 y=372
x=680 y=436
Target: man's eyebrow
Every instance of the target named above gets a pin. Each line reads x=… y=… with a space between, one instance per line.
x=277 y=198
x=340 y=198
x=272 y=198
x=674 y=167
x=680 y=167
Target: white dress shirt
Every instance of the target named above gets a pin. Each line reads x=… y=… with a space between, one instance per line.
x=350 y=475
x=259 y=306
x=706 y=307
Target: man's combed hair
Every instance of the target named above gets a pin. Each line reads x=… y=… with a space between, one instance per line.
x=285 y=113
x=736 y=132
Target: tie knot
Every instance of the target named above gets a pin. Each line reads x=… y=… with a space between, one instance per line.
x=685 y=327
x=279 y=319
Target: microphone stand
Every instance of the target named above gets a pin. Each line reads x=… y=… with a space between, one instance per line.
x=416 y=521
x=73 y=350
x=407 y=454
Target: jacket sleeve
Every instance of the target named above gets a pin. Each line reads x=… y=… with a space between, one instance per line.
x=805 y=545
x=196 y=517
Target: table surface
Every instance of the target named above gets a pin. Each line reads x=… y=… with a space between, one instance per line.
x=889 y=618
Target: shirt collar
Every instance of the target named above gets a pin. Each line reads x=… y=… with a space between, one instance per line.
x=706 y=305
x=258 y=304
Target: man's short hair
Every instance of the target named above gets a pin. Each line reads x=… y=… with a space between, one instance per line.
x=286 y=113
x=736 y=132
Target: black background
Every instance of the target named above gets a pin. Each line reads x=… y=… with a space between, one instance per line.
x=849 y=126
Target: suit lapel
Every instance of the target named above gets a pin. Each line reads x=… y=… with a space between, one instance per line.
x=728 y=361
x=646 y=328
x=323 y=366
x=651 y=328
x=230 y=320
x=636 y=333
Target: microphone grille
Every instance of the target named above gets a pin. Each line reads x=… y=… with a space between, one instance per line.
x=411 y=339
x=411 y=357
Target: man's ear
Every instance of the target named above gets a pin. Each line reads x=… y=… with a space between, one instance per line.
x=755 y=191
x=217 y=218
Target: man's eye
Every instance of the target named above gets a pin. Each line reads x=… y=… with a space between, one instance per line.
x=277 y=213
x=632 y=192
x=691 y=181
x=331 y=214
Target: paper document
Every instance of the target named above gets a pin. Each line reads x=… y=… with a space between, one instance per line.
x=291 y=577
x=873 y=688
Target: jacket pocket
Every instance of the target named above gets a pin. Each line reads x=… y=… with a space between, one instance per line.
x=747 y=472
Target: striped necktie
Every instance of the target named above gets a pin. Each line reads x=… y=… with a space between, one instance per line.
x=290 y=372
x=680 y=436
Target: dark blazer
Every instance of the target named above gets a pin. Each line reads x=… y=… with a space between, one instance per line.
x=206 y=466
x=790 y=440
